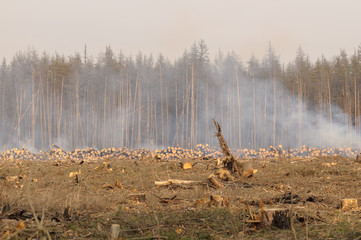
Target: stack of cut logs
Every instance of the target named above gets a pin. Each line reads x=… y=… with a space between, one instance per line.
x=201 y=151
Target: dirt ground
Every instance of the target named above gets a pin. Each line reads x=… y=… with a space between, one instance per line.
x=82 y=200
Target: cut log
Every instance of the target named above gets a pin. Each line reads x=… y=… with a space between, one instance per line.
x=162 y=183
x=349 y=204
x=187 y=165
x=249 y=172
x=11 y=178
x=213 y=180
x=175 y=181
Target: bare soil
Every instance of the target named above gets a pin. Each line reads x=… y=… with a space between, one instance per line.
x=122 y=191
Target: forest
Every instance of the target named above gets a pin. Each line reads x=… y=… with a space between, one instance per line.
x=146 y=101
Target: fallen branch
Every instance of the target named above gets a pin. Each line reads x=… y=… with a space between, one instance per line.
x=26 y=144
x=175 y=181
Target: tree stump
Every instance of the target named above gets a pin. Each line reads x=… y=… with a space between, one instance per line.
x=278 y=217
x=218 y=201
x=115 y=231
x=281 y=219
x=358 y=158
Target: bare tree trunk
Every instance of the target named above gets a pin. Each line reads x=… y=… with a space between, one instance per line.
x=155 y=121
x=161 y=102
x=300 y=92
x=139 y=111
x=274 y=106
x=187 y=131
x=239 y=113
x=49 y=102
x=329 y=103
x=192 y=108
x=195 y=141
x=42 y=111
x=213 y=105
x=149 y=117
x=134 y=111
x=104 y=116
x=85 y=114
x=3 y=104
x=207 y=111
x=77 y=114
x=33 y=117
x=265 y=115
x=60 y=109
x=121 y=120
x=18 y=114
x=167 y=114
x=358 y=126
x=175 y=140
x=253 y=136
x=127 y=120
x=355 y=113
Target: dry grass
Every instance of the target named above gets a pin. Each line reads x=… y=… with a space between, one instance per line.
x=86 y=206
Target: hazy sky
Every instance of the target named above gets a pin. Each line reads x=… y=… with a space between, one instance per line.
x=170 y=26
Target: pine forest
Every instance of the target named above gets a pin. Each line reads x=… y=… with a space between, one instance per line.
x=143 y=101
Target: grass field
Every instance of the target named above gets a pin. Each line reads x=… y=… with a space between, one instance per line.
x=121 y=191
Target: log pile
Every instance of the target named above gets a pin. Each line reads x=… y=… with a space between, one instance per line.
x=203 y=152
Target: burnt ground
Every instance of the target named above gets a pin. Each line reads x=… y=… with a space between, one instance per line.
x=123 y=191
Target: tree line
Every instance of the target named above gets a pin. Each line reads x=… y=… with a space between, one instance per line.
x=113 y=100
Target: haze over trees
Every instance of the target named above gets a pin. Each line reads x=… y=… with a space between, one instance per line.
x=113 y=100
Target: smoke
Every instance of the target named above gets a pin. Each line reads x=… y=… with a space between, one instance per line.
x=269 y=115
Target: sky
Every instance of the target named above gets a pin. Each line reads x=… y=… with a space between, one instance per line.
x=319 y=27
